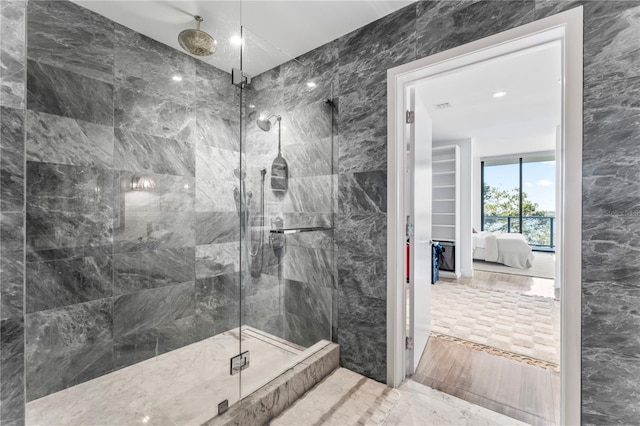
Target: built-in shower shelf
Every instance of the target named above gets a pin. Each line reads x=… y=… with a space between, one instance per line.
x=298 y=230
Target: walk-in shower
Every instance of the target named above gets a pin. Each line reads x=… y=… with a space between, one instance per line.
x=139 y=208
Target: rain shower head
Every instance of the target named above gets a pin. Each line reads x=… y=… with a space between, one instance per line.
x=196 y=41
x=265 y=123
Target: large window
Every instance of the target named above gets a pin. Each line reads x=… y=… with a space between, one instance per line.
x=518 y=195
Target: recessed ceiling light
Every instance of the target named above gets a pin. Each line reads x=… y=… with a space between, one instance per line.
x=311 y=84
x=500 y=94
x=252 y=106
x=236 y=40
x=177 y=78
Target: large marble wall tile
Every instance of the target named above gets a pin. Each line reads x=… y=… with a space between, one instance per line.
x=312 y=240
x=56 y=139
x=216 y=195
x=217 y=304
x=608 y=27
x=308 y=219
x=262 y=304
x=396 y=28
x=308 y=124
x=309 y=194
x=64 y=188
x=11 y=265
x=308 y=265
x=217 y=131
x=317 y=65
x=153 y=341
x=363 y=192
x=60 y=92
x=59 y=235
x=12 y=53
x=12 y=371
x=363 y=127
x=138 y=152
x=144 y=65
x=215 y=93
x=305 y=331
x=149 y=309
x=310 y=301
x=59 y=283
x=607 y=247
x=137 y=271
x=370 y=72
x=217 y=259
x=149 y=230
x=153 y=115
x=216 y=164
x=168 y=194
x=361 y=259
x=11 y=284
x=217 y=227
x=362 y=330
x=70 y=37
x=11 y=160
x=66 y=346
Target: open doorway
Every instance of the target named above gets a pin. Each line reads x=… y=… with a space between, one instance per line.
x=495 y=318
x=565 y=30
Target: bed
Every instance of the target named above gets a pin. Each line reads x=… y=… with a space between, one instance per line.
x=509 y=249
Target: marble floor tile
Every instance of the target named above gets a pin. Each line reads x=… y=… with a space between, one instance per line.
x=421 y=405
x=182 y=387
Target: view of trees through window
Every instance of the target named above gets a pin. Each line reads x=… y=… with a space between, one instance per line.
x=502 y=192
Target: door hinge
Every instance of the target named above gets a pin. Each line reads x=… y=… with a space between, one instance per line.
x=409 y=343
x=410 y=228
x=239 y=78
x=239 y=363
x=411 y=117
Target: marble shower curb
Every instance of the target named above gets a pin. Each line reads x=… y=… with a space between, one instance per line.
x=272 y=399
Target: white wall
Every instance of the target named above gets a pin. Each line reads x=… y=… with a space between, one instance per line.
x=466 y=201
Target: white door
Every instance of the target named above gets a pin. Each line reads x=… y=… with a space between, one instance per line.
x=419 y=139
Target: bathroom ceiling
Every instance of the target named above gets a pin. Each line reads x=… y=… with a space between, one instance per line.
x=525 y=117
x=276 y=31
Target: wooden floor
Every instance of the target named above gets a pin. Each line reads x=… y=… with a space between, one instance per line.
x=521 y=391
x=525 y=392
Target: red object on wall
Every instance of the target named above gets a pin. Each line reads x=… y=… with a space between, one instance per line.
x=408 y=257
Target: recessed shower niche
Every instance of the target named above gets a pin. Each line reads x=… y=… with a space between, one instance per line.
x=167 y=232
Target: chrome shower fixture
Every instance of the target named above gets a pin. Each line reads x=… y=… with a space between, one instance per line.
x=196 y=41
x=265 y=122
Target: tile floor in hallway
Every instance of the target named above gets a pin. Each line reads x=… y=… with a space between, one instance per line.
x=348 y=398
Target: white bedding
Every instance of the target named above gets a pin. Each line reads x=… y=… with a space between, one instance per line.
x=508 y=249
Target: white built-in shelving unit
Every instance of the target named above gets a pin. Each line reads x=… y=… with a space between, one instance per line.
x=445 y=221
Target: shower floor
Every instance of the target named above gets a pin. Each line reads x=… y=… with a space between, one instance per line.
x=182 y=387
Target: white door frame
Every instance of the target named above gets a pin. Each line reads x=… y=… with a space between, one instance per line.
x=568 y=27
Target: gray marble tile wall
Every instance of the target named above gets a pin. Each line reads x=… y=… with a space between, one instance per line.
x=299 y=287
x=117 y=189
x=12 y=208
x=610 y=227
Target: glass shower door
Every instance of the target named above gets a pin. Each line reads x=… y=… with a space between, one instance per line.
x=287 y=288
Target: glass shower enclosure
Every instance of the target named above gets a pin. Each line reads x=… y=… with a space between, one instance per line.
x=169 y=276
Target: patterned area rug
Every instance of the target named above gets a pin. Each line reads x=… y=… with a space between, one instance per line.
x=512 y=322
